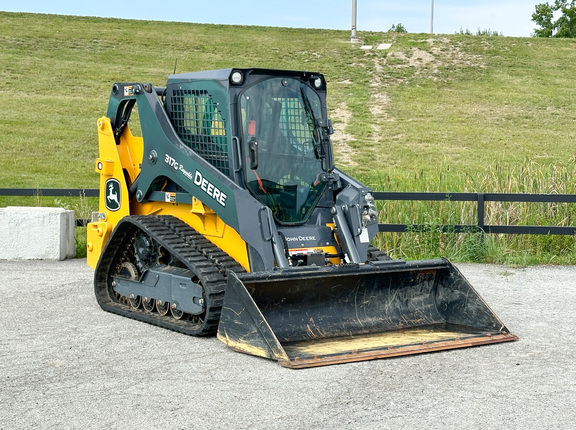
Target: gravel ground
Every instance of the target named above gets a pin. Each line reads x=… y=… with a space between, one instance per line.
x=65 y=363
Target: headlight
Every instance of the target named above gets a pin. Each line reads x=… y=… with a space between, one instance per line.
x=317 y=82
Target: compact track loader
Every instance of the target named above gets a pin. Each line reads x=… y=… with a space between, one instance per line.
x=221 y=211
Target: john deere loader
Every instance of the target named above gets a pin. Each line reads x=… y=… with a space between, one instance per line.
x=221 y=211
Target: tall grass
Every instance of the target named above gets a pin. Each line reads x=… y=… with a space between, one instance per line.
x=529 y=177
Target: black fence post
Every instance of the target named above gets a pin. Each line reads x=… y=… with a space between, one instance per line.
x=481 y=212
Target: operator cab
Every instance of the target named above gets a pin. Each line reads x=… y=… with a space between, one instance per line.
x=282 y=146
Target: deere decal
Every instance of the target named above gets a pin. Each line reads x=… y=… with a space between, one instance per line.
x=112 y=195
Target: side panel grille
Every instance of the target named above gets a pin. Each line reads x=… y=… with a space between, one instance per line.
x=201 y=127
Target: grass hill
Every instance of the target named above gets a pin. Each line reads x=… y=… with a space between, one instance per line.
x=431 y=113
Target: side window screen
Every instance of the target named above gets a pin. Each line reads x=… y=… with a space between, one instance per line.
x=201 y=127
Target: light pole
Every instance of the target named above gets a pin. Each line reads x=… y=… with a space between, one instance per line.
x=353 y=37
x=432 y=18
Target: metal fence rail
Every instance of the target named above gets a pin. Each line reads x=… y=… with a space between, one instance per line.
x=479 y=198
x=48 y=192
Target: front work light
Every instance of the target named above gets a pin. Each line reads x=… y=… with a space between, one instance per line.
x=236 y=77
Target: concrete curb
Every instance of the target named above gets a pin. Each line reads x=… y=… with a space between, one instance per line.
x=36 y=233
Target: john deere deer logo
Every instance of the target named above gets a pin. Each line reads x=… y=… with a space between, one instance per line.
x=112 y=195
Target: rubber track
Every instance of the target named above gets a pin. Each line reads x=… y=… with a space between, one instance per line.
x=208 y=262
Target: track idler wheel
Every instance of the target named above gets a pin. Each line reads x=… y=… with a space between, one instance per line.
x=162 y=307
x=177 y=313
x=148 y=304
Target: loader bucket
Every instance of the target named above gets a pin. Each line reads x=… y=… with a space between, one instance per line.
x=330 y=315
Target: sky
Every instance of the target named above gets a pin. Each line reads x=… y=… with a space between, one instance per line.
x=509 y=17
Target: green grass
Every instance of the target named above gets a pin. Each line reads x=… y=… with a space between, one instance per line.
x=450 y=113
x=528 y=177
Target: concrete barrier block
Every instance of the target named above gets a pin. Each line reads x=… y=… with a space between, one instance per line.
x=36 y=233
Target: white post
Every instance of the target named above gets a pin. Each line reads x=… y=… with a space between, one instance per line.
x=432 y=18
x=353 y=37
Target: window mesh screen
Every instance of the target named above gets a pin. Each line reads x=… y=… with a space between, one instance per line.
x=201 y=127
x=295 y=125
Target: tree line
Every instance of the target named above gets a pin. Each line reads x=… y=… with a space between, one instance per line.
x=555 y=19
